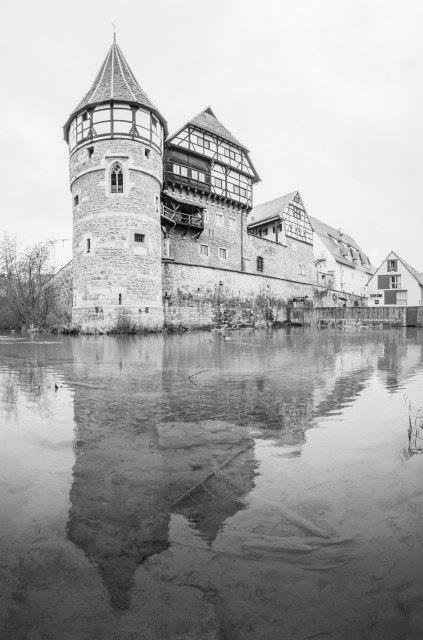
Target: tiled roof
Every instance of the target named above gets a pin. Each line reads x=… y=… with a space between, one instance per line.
x=115 y=82
x=271 y=209
x=207 y=121
x=333 y=238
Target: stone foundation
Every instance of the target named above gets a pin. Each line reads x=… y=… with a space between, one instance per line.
x=118 y=319
x=201 y=297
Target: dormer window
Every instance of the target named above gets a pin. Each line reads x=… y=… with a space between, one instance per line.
x=116 y=179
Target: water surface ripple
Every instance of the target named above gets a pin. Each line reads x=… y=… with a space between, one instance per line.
x=195 y=488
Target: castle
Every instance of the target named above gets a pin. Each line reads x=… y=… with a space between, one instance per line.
x=161 y=226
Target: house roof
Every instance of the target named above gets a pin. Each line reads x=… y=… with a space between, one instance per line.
x=414 y=272
x=207 y=121
x=341 y=245
x=270 y=210
x=115 y=82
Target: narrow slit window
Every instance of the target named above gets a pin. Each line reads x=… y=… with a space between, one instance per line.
x=116 y=179
x=75 y=201
x=259 y=263
x=90 y=151
x=88 y=245
x=120 y=298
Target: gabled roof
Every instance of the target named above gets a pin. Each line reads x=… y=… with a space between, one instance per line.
x=334 y=239
x=270 y=210
x=207 y=121
x=115 y=82
x=414 y=272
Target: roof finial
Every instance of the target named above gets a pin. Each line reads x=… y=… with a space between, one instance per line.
x=114 y=33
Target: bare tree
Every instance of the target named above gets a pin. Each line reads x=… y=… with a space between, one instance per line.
x=29 y=286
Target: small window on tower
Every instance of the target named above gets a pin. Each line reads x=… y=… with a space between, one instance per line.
x=147 y=153
x=75 y=200
x=260 y=263
x=88 y=245
x=139 y=237
x=116 y=179
x=90 y=151
x=157 y=203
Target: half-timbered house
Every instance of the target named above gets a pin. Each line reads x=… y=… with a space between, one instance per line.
x=207 y=194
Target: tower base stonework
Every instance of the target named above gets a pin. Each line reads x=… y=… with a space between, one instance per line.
x=118 y=319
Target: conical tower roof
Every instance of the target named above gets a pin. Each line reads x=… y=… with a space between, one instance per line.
x=115 y=82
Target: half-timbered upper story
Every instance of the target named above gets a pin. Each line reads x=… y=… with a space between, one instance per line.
x=282 y=218
x=205 y=158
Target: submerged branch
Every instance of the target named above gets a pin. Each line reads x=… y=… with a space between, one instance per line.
x=196 y=374
x=210 y=475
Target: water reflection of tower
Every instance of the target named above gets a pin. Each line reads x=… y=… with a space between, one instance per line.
x=125 y=477
x=119 y=513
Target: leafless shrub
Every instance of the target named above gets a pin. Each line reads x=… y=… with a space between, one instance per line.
x=30 y=292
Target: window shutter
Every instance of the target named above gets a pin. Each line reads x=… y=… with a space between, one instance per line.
x=383 y=282
x=390 y=297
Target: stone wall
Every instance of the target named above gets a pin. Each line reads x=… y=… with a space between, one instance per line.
x=295 y=261
x=224 y=228
x=199 y=297
x=116 y=278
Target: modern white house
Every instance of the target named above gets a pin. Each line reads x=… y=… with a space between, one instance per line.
x=340 y=262
x=395 y=282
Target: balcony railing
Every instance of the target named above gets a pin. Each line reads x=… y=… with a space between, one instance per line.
x=183 y=218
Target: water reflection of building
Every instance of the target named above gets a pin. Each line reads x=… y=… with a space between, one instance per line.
x=400 y=355
x=136 y=393
x=125 y=478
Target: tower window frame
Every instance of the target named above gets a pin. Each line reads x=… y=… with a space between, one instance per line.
x=116 y=179
x=260 y=264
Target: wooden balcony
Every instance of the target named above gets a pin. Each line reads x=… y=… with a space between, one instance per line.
x=188 y=219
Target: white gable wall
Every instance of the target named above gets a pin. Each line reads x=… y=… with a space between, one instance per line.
x=321 y=252
x=408 y=283
x=346 y=278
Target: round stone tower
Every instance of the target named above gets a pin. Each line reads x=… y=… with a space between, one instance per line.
x=115 y=138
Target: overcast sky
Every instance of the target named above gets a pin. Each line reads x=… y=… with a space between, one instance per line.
x=326 y=94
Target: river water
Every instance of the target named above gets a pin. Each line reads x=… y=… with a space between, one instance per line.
x=194 y=487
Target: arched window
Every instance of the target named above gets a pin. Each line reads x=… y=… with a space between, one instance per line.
x=259 y=263
x=116 y=179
